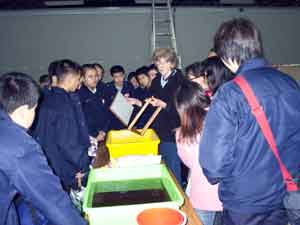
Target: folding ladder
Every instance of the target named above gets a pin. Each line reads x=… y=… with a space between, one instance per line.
x=163 y=28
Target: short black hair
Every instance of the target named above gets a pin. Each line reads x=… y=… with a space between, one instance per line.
x=44 y=79
x=66 y=66
x=142 y=70
x=196 y=68
x=131 y=75
x=99 y=65
x=116 y=69
x=52 y=68
x=239 y=40
x=216 y=72
x=18 y=89
x=152 y=67
x=86 y=67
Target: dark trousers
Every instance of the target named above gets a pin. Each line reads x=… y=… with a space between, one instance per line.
x=275 y=217
x=168 y=151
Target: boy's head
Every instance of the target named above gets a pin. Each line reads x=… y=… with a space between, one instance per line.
x=237 y=41
x=165 y=60
x=143 y=77
x=194 y=72
x=68 y=75
x=100 y=71
x=152 y=71
x=44 y=81
x=19 y=95
x=211 y=53
x=90 y=76
x=132 y=79
x=118 y=74
x=52 y=73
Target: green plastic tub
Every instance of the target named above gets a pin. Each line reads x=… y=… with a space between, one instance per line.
x=117 y=179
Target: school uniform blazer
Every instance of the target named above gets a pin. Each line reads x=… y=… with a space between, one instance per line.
x=100 y=89
x=58 y=131
x=168 y=118
x=83 y=128
x=96 y=114
x=24 y=171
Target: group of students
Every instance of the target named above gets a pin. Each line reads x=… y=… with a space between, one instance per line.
x=235 y=178
x=205 y=123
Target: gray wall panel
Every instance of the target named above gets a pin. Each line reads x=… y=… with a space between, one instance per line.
x=110 y=36
x=29 y=40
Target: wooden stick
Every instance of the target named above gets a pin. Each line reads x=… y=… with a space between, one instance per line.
x=147 y=102
x=150 y=121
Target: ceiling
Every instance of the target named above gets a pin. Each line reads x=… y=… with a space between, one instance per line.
x=38 y=4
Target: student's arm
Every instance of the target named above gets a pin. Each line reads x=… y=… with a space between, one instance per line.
x=108 y=95
x=38 y=185
x=101 y=121
x=217 y=143
x=129 y=90
x=68 y=142
x=107 y=119
x=170 y=109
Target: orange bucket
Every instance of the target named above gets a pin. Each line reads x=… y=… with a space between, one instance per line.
x=161 y=216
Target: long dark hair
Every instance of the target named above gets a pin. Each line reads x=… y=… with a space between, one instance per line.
x=195 y=69
x=215 y=72
x=191 y=104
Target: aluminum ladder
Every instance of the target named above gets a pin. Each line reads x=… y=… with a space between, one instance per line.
x=163 y=28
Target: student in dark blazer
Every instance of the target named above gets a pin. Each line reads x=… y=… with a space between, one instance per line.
x=91 y=98
x=59 y=127
x=26 y=178
x=100 y=74
x=163 y=90
x=111 y=89
x=142 y=93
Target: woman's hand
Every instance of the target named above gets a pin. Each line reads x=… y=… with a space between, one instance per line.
x=157 y=102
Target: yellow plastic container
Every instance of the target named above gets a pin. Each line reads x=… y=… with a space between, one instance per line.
x=125 y=142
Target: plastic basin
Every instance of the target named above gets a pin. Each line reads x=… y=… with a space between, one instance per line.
x=161 y=216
